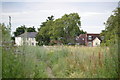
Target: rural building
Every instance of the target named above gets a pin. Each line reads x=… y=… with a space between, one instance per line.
x=89 y=39
x=27 y=38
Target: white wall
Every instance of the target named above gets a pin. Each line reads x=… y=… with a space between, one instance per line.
x=96 y=42
x=18 y=41
x=29 y=41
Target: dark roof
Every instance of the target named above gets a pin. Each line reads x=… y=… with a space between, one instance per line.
x=93 y=36
x=82 y=35
x=28 y=35
x=80 y=38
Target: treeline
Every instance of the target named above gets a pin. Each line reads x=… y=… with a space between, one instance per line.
x=112 y=29
x=112 y=38
x=55 y=31
x=62 y=30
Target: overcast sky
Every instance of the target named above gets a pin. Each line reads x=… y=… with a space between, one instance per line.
x=31 y=13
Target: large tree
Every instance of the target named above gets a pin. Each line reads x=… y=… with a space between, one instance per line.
x=21 y=30
x=43 y=36
x=112 y=30
x=63 y=29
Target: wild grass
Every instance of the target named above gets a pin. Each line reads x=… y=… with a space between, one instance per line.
x=0 y=62
x=59 y=62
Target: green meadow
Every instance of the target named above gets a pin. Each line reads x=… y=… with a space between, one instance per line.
x=59 y=62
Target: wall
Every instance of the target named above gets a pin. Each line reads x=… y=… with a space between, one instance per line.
x=18 y=41
x=96 y=42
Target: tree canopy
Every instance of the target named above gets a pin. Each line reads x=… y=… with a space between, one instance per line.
x=112 y=28
x=21 y=30
x=63 y=29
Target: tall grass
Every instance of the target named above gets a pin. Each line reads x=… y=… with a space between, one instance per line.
x=59 y=62
x=0 y=52
x=0 y=62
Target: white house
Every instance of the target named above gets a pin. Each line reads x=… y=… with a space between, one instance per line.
x=27 y=38
x=96 y=42
x=89 y=39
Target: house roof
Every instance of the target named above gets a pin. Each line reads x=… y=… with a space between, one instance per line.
x=82 y=35
x=85 y=36
x=94 y=36
x=28 y=34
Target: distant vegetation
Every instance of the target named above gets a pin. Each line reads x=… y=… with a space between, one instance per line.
x=61 y=61
x=62 y=30
x=20 y=30
x=112 y=29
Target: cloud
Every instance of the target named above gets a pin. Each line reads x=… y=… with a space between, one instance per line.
x=93 y=29
x=35 y=13
x=89 y=14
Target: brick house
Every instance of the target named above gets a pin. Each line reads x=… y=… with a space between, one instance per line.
x=89 y=39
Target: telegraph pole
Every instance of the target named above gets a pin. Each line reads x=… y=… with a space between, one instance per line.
x=10 y=24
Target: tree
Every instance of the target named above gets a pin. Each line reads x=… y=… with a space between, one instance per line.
x=20 y=30
x=43 y=36
x=112 y=30
x=51 y=18
x=31 y=29
x=63 y=29
x=5 y=32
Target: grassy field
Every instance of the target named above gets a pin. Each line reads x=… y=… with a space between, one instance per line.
x=0 y=62
x=59 y=62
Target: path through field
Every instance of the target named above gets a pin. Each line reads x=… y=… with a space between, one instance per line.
x=49 y=72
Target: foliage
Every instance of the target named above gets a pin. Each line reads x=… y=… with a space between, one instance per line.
x=112 y=29
x=31 y=29
x=19 y=30
x=112 y=38
x=59 y=62
x=5 y=32
x=22 y=29
x=62 y=30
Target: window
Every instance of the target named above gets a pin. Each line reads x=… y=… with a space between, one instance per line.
x=89 y=44
x=32 y=43
x=83 y=39
x=33 y=39
x=102 y=37
x=27 y=39
x=89 y=37
x=96 y=44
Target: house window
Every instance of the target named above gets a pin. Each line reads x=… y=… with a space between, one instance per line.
x=96 y=44
x=89 y=43
x=33 y=39
x=32 y=43
x=83 y=39
x=27 y=38
x=102 y=37
x=89 y=37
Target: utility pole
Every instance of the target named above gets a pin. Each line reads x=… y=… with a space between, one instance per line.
x=10 y=23
x=119 y=4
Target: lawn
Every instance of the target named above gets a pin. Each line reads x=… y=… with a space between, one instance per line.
x=59 y=62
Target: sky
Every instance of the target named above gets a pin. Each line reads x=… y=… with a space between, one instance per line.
x=31 y=13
